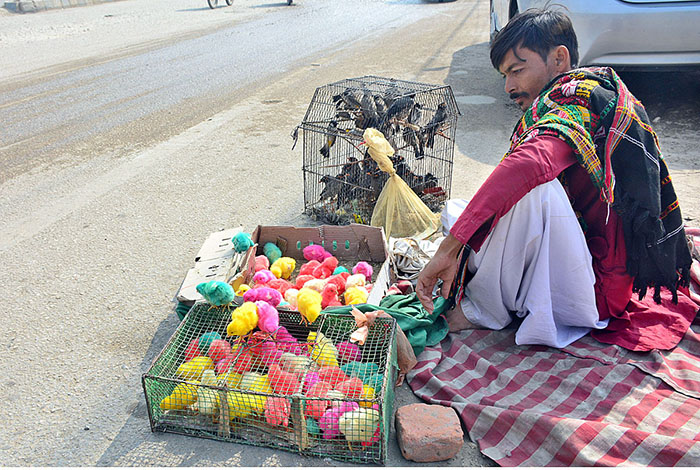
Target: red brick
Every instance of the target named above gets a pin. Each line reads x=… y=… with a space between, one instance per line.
x=428 y=433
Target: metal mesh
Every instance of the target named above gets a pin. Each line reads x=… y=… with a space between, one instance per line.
x=206 y=384
x=341 y=181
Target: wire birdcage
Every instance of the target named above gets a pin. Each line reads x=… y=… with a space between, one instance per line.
x=341 y=181
x=301 y=391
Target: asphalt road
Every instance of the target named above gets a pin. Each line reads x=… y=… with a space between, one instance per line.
x=124 y=147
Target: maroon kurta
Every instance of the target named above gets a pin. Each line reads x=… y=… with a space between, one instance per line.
x=637 y=325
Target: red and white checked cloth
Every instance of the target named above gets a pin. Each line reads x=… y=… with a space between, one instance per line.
x=588 y=404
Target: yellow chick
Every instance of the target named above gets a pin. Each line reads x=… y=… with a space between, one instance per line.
x=355 y=295
x=283 y=267
x=207 y=398
x=255 y=382
x=194 y=368
x=243 y=319
x=322 y=350
x=183 y=396
x=367 y=394
x=230 y=379
x=360 y=425
x=242 y=290
x=241 y=404
x=309 y=304
x=290 y=295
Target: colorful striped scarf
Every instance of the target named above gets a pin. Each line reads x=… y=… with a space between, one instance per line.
x=592 y=110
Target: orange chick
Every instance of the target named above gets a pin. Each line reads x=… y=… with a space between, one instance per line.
x=326 y=268
x=307 y=269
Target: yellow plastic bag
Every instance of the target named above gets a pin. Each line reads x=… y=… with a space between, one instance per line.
x=398 y=209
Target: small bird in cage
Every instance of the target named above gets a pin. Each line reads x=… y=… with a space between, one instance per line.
x=331 y=136
x=412 y=134
x=399 y=110
x=435 y=125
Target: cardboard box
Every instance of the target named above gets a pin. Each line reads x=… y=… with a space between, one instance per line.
x=349 y=243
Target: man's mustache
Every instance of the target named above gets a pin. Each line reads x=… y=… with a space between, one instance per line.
x=515 y=96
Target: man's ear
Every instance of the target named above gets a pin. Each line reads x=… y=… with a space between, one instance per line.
x=561 y=60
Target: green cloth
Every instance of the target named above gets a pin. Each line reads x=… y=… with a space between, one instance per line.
x=420 y=328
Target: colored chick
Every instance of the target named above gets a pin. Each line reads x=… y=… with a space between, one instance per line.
x=282 y=382
x=307 y=269
x=315 y=252
x=283 y=267
x=243 y=319
x=267 y=294
x=329 y=421
x=355 y=295
x=217 y=293
x=322 y=349
x=261 y=263
x=348 y=352
x=359 y=425
x=277 y=411
x=272 y=252
x=326 y=268
x=294 y=364
x=183 y=396
x=363 y=267
x=241 y=242
x=355 y=280
x=329 y=296
x=193 y=370
x=207 y=399
x=263 y=276
x=290 y=295
x=309 y=304
x=268 y=317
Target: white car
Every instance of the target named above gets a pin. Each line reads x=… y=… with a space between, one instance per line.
x=623 y=33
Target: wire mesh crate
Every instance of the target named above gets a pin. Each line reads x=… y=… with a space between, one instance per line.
x=341 y=181
x=314 y=395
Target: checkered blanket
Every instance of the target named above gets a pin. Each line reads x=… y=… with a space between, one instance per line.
x=588 y=404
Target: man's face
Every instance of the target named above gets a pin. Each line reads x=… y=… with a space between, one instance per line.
x=526 y=74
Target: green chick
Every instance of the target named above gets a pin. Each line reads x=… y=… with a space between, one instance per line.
x=216 y=292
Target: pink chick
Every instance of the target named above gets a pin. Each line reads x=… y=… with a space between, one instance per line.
x=268 y=317
x=332 y=374
x=303 y=279
x=363 y=267
x=307 y=269
x=329 y=296
x=277 y=411
x=263 y=277
x=309 y=381
x=288 y=343
x=351 y=388
x=329 y=421
x=261 y=263
x=348 y=352
x=282 y=382
x=242 y=363
x=267 y=294
x=315 y=252
x=219 y=349
x=326 y=268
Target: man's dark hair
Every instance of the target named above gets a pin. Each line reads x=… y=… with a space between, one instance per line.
x=538 y=30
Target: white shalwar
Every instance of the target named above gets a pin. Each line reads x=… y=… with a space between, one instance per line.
x=535 y=264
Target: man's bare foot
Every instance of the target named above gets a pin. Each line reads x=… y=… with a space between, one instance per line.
x=456 y=321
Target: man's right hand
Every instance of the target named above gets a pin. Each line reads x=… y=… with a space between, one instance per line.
x=443 y=266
